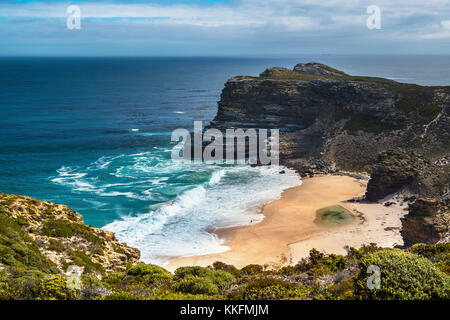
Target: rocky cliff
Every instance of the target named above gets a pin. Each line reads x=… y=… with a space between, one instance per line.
x=50 y=237
x=333 y=121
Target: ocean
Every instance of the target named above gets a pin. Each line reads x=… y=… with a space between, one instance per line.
x=94 y=134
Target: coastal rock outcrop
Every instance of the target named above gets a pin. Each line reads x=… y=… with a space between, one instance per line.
x=393 y=170
x=52 y=237
x=428 y=221
x=331 y=121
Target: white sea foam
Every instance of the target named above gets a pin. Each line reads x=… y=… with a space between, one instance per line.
x=67 y=176
x=179 y=228
x=216 y=177
x=183 y=199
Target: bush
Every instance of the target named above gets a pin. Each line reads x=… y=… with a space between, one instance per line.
x=55 y=288
x=170 y=295
x=196 y=285
x=198 y=280
x=182 y=272
x=18 y=249
x=225 y=267
x=149 y=272
x=22 y=285
x=318 y=264
x=272 y=289
x=114 y=279
x=343 y=290
x=404 y=276
x=66 y=229
x=430 y=251
x=121 y=295
x=221 y=277
x=252 y=269
x=83 y=260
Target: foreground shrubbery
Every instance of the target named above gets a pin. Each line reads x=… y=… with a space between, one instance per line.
x=420 y=272
x=404 y=275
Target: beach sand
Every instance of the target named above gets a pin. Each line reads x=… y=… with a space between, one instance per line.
x=288 y=231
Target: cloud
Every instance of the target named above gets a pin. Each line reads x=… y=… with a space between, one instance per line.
x=442 y=31
x=218 y=25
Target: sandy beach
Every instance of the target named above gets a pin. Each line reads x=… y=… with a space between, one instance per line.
x=289 y=231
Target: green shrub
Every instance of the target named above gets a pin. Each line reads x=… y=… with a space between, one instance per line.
x=225 y=267
x=252 y=269
x=437 y=253
x=318 y=264
x=403 y=276
x=22 y=222
x=272 y=289
x=18 y=249
x=55 y=288
x=91 y=281
x=182 y=272
x=66 y=229
x=366 y=123
x=429 y=112
x=196 y=285
x=121 y=295
x=431 y=251
x=55 y=245
x=343 y=290
x=4 y=288
x=83 y=260
x=170 y=295
x=276 y=293
x=268 y=282
x=22 y=284
x=221 y=277
x=198 y=280
x=149 y=272
x=444 y=266
x=114 y=279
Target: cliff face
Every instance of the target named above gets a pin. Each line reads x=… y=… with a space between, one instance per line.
x=427 y=222
x=334 y=121
x=51 y=237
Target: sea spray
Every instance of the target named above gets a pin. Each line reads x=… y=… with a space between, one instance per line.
x=179 y=228
x=177 y=201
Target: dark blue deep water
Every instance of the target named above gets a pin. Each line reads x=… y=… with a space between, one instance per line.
x=94 y=134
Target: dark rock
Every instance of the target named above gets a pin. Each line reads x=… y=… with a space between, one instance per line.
x=427 y=222
x=424 y=207
x=392 y=171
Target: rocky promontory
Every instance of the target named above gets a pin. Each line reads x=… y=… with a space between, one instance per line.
x=331 y=121
x=51 y=237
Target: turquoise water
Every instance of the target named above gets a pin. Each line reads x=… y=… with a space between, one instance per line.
x=94 y=134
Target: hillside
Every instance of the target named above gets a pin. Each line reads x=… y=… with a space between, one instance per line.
x=40 y=242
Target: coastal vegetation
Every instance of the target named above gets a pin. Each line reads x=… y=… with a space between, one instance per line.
x=421 y=272
x=29 y=269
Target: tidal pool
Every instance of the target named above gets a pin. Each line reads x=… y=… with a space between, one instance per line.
x=333 y=216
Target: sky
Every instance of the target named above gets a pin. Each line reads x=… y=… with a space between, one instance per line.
x=223 y=27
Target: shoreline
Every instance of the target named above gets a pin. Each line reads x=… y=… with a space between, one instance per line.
x=288 y=231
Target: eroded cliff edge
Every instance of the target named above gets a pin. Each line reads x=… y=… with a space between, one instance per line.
x=331 y=121
x=52 y=238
